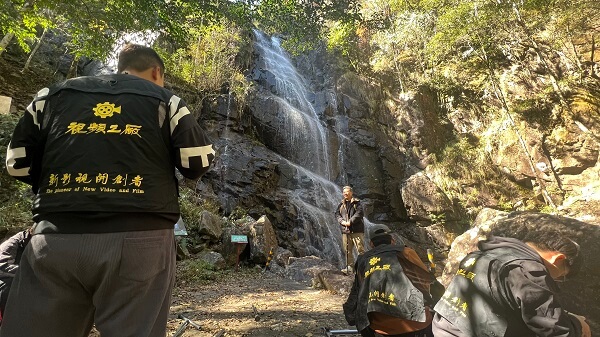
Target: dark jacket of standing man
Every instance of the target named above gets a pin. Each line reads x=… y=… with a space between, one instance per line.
x=349 y=214
x=100 y=154
x=390 y=295
x=507 y=288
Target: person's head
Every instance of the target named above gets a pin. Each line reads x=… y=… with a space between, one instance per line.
x=141 y=61
x=347 y=192
x=561 y=254
x=381 y=235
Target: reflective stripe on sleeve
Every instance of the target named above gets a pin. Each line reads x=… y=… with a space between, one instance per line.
x=11 y=158
x=175 y=119
x=37 y=106
x=202 y=151
x=176 y=114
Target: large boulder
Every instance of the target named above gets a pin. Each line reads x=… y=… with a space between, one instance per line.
x=214 y=259
x=307 y=269
x=467 y=242
x=282 y=256
x=233 y=252
x=5 y=104
x=210 y=225
x=579 y=294
x=263 y=240
x=572 y=150
x=336 y=282
x=426 y=202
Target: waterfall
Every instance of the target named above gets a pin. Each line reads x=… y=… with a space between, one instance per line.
x=226 y=133
x=302 y=128
x=297 y=133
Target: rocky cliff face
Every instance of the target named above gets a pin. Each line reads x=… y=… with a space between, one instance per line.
x=311 y=129
x=308 y=131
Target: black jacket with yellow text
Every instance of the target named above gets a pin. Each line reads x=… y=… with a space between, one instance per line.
x=381 y=285
x=503 y=289
x=106 y=147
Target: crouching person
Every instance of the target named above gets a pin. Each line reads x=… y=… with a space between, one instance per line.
x=11 y=251
x=390 y=294
x=508 y=288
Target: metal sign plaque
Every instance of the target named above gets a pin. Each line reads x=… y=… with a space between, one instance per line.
x=239 y=238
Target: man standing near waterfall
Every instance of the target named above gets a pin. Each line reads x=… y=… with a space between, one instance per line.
x=349 y=214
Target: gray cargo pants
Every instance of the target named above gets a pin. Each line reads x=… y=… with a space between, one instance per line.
x=122 y=282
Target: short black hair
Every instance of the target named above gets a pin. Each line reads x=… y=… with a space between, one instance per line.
x=139 y=58
x=546 y=232
x=382 y=240
x=553 y=241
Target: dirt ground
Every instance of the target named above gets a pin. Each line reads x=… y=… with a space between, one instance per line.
x=248 y=302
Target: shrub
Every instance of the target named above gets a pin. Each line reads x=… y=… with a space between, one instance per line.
x=196 y=272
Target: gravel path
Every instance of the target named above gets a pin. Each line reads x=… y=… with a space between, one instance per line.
x=248 y=302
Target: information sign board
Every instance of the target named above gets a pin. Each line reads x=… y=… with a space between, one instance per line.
x=239 y=238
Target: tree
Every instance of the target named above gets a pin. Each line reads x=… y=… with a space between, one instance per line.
x=19 y=20
x=301 y=22
x=94 y=26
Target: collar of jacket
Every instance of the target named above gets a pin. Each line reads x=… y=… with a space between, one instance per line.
x=353 y=200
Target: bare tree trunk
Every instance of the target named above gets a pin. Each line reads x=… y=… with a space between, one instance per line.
x=37 y=46
x=398 y=70
x=73 y=69
x=575 y=53
x=592 y=73
x=195 y=70
x=5 y=41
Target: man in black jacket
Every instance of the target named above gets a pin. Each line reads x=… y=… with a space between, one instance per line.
x=100 y=154
x=390 y=295
x=507 y=288
x=349 y=214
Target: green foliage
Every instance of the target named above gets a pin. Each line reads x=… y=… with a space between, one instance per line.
x=399 y=48
x=466 y=158
x=301 y=22
x=342 y=38
x=192 y=205
x=465 y=172
x=437 y=218
x=15 y=197
x=196 y=272
x=547 y=209
x=536 y=111
x=15 y=205
x=22 y=20
x=238 y=213
x=208 y=62
x=505 y=205
x=94 y=26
